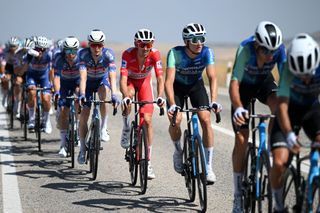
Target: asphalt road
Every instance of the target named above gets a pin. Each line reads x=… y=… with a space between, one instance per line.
x=35 y=181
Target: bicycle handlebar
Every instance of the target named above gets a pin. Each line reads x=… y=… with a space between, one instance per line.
x=141 y=103
x=193 y=110
x=115 y=109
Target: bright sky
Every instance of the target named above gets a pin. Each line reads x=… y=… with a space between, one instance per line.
x=225 y=20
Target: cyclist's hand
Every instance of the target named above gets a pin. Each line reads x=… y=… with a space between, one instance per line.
x=56 y=95
x=82 y=100
x=293 y=142
x=240 y=115
x=216 y=107
x=115 y=100
x=160 y=101
x=172 y=109
x=126 y=102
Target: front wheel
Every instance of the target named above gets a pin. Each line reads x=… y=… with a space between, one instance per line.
x=201 y=172
x=265 y=198
x=38 y=126
x=248 y=182
x=143 y=159
x=95 y=149
x=132 y=154
x=313 y=204
x=290 y=190
x=188 y=169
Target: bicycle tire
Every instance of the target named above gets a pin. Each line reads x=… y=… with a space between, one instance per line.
x=72 y=139
x=11 y=105
x=25 y=118
x=95 y=148
x=248 y=182
x=312 y=206
x=188 y=169
x=201 y=172
x=38 y=127
x=291 y=198
x=132 y=154
x=265 y=198
x=143 y=159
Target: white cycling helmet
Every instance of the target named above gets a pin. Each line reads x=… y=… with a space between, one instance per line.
x=28 y=43
x=192 y=30
x=14 y=42
x=303 y=55
x=268 y=35
x=96 y=36
x=71 y=42
x=42 y=42
x=144 y=35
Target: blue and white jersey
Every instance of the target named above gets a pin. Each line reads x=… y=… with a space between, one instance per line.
x=19 y=58
x=188 y=70
x=40 y=67
x=9 y=57
x=99 y=70
x=64 y=70
x=246 y=70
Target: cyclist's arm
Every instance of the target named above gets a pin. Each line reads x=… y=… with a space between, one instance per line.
x=235 y=94
x=124 y=86
x=283 y=116
x=56 y=81
x=113 y=82
x=170 y=76
x=83 y=81
x=211 y=73
x=160 y=86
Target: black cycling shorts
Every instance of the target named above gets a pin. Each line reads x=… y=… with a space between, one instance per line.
x=9 y=68
x=197 y=94
x=259 y=91
x=307 y=117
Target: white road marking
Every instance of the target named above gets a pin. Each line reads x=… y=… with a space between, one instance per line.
x=10 y=189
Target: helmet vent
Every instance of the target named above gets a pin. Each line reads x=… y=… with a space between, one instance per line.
x=258 y=37
x=300 y=63
x=316 y=54
x=293 y=65
x=309 y=62
x=301 y=36
x=272 y=34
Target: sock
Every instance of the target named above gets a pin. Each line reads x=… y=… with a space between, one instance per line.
x=82 y=145
x=31 y=114
x=237 y=181
x=177 y=145
x=126 y=122
x=63 y=133
x=18 y=106
x=104 y=125
x=209 y=155
x=149 y=152
x=45 y=116
x=278 y=196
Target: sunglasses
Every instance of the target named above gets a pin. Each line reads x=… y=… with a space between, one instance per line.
x=40 y=49
x=197 y=39
x=95 y=45
x=266 y=51
x=70 y=51
x=143 y=45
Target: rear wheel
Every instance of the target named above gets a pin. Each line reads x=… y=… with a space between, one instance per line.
x=188 y=169
x=201 y=173
x=248 y=183
x=143 y=159
x=265 y=199
x=290 y=190
x=132 y=155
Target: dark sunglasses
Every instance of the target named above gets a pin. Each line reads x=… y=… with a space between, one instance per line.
x=266 y=51
x=40 y=49
x=143 y=45
x=94 y=45
x=197 y=39
x=70 y=51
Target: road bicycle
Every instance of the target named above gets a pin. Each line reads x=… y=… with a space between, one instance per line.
x=301 y=193
x=257 y=194
x=137 y=154
x=194 y=160
x=93 y=138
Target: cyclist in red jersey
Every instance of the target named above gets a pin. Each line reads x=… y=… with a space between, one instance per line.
x=136 y=67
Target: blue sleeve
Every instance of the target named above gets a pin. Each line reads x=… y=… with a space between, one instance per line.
x=209 y=56
x=282 y=58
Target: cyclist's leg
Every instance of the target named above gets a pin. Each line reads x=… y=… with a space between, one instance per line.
x=63 y=120
x=311 y=124
x=18 y=94
x=83 y=129
x=31 y=100
x=46 y=100
x=280 y=155
x=103 y=91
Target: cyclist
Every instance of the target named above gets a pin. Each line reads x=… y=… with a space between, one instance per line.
x=137 y=64
x=9 y=60
x=66 y=82
x=38 y=66
x=185 y=65
x=298 y=92
x=20 y=75
x=97 y=73
x=252 y=78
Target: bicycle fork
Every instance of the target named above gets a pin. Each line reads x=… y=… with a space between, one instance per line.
x=313 y=174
